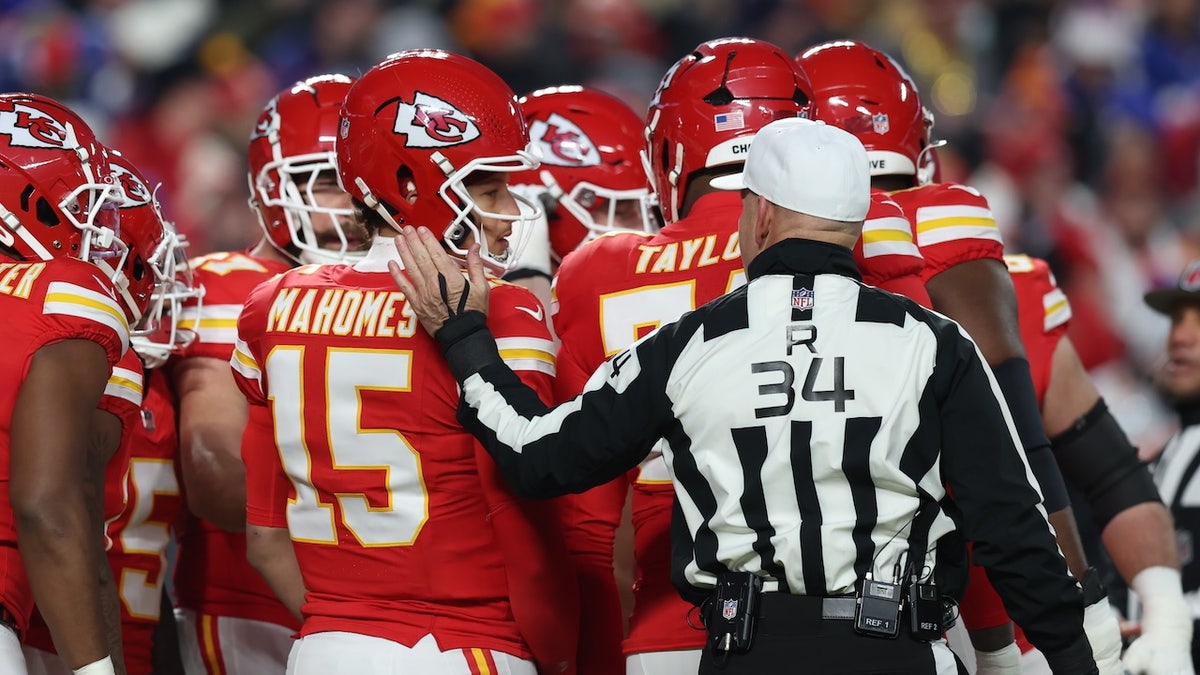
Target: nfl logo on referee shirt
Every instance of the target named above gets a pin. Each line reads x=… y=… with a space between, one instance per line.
x=803 y=298
x=729 y=609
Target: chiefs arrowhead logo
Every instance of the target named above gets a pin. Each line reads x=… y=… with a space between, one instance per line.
x=563 y=143
x=137 y=193
x=28 y=127
x=430 y=122
x=268 y=122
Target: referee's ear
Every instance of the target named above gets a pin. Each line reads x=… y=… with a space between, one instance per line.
x=764 y=221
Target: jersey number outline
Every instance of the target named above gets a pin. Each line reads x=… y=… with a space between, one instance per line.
x=626 y=316
x=348 y=374
x=147 y=479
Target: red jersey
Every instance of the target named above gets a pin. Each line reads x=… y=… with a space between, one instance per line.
x=369 y=470
x=139 y=553
x=123 y=396
x=212 y=575
x=1044 y=314
x=43 y=303
x=953 y=225
x=887 y=253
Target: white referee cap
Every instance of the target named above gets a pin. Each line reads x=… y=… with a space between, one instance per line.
x=808 y=167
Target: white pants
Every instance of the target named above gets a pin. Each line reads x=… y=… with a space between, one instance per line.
x=663 y=663
x=12 y=661
x=44 y=663
x=223 y=645
x=336 y=652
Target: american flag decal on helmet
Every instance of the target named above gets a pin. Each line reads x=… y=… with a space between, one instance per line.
x=730 y=121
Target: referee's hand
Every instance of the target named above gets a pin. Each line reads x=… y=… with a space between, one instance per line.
x=433 y=282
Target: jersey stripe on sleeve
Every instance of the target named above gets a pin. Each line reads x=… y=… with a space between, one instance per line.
x=941 y=224
x=70 y=299
x=1057 y=308
x=890 y=235
x=215 y=324
x=527 y=353
x=125 y=384
x=245 y=364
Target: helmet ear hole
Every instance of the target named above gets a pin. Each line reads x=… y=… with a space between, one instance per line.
x=139 y=268
x=46 y=213
x=406 y=183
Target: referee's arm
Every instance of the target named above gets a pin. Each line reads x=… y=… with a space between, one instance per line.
x=610 y=427
x=990 y=482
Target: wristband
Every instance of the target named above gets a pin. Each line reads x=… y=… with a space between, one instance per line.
x=1163 y=607
x=102 y=667
x=1003 y=661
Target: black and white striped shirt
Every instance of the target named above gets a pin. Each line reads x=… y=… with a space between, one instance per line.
x=807 y=419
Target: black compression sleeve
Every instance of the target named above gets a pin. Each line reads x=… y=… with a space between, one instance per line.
x=1013 y=377
x=1097 y=457
x=467 y=344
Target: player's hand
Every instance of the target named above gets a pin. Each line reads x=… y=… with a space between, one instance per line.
x=1104 y=634
x=433 y=282
x=1158 y=654
x=1165 y=644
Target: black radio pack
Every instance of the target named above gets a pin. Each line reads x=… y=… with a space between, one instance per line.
x=878 y=609
x=924 y=611
x=730 y=620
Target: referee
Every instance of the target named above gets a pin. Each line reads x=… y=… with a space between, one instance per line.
x=815 y=429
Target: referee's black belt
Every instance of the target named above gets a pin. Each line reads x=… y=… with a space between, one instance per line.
x=780 y=605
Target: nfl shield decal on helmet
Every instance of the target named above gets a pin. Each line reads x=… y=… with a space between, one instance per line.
x=879 y=121
x=729 y=609
x=430 y=122
x=803 y=298
x=29 y=127
x=563 y=143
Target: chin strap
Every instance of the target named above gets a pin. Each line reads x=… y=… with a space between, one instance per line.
x=373 y=203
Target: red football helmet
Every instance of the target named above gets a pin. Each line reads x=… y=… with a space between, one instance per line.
x=413 y=130
x=290 y=147
x=57 y=194
x=589 y=142
x=159 y=285
x=140 y=272
x=865 y=92
x=710 y=104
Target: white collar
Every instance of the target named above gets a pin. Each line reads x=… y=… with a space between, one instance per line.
x=383 y=250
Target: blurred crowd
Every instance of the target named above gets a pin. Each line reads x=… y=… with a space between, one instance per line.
x=1078 y=119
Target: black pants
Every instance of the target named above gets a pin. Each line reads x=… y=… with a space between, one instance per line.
x=791 y=637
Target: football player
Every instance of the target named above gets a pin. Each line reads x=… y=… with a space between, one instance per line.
x=868 y=94
x=142 y=499
x=77 y=279
x=617 y=287
x=372 y=514
x=1139 y=535
x=229 y=620
x=591 y=180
